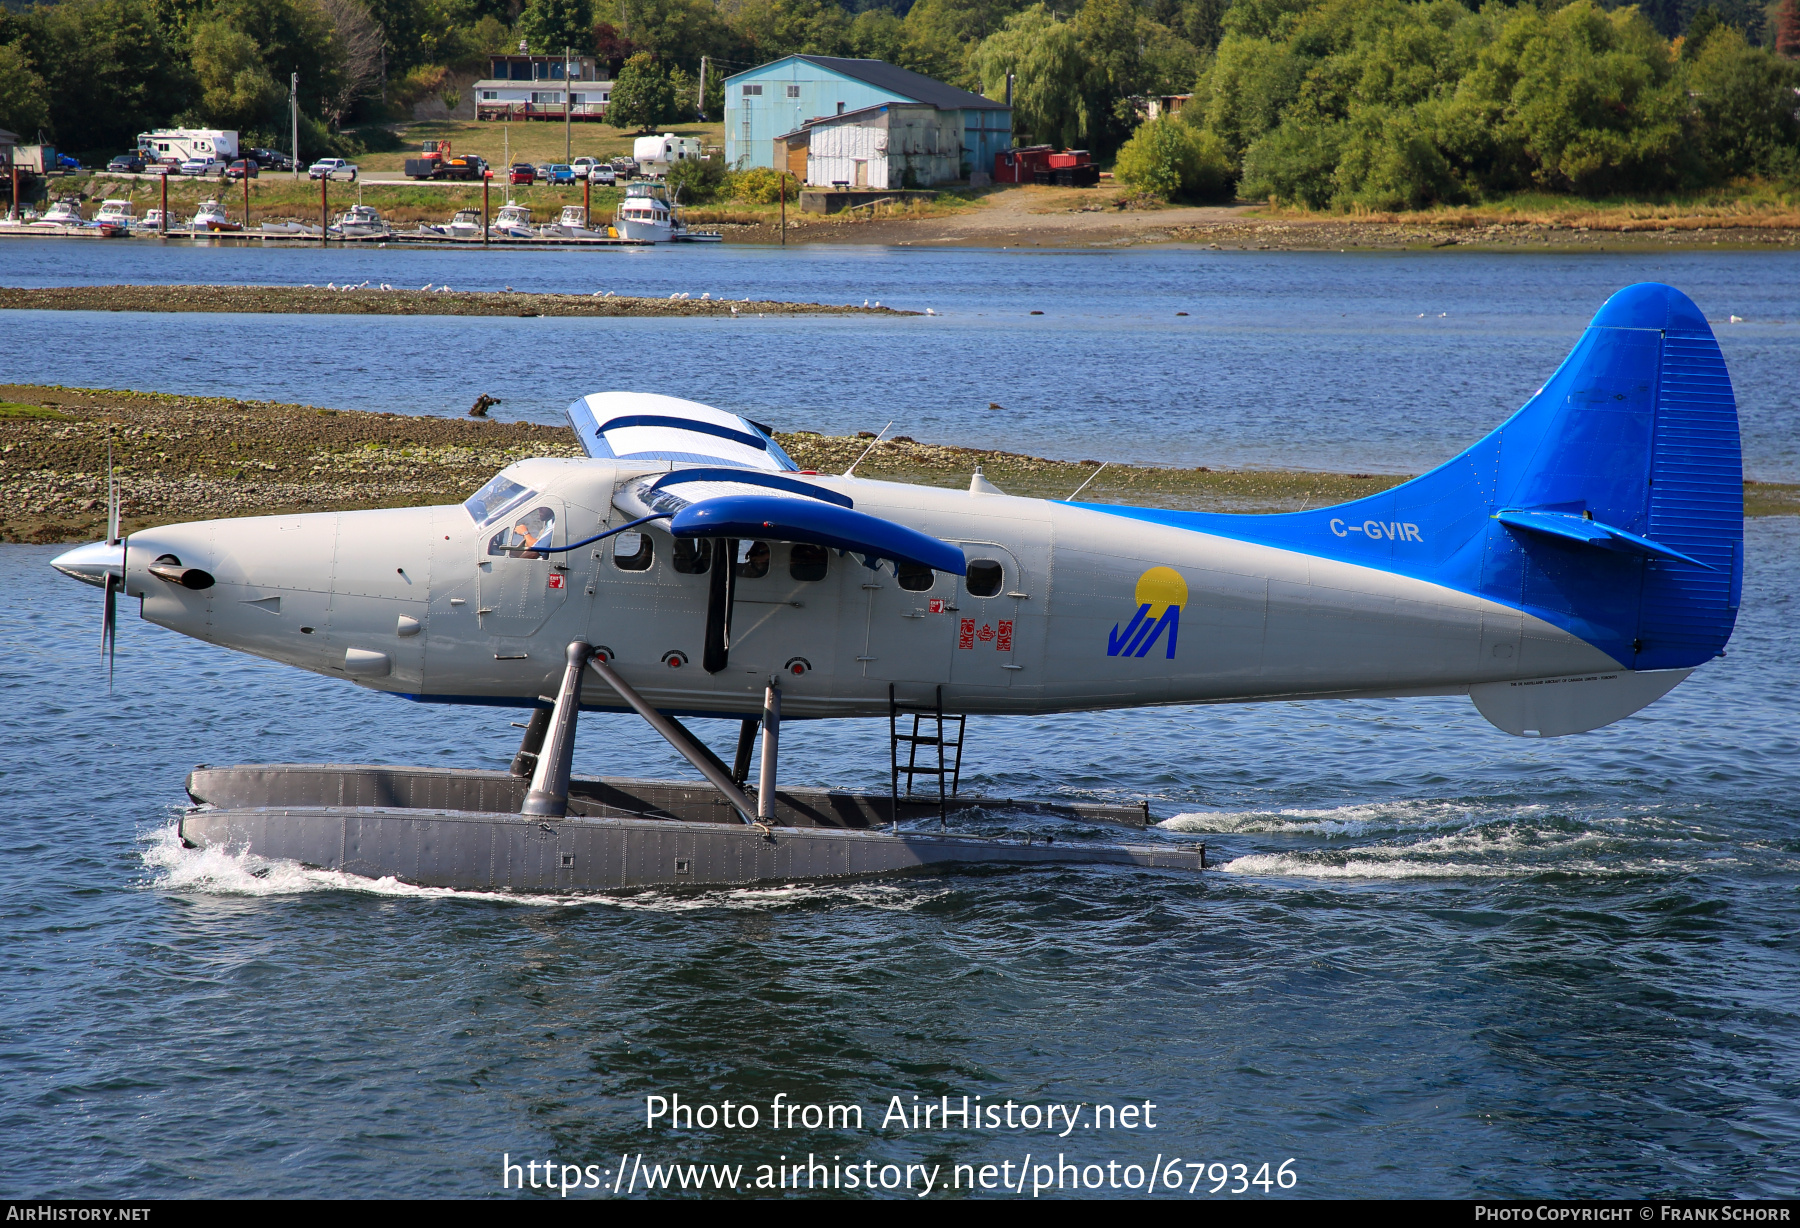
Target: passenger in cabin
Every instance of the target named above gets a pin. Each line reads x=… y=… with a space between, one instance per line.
x=753 y=560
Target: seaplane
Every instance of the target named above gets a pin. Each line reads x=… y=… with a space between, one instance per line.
x=1572 y=567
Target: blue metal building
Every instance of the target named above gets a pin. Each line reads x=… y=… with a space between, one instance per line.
x=776 y=98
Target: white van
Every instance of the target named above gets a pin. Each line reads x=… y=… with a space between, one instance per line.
x=656 y=154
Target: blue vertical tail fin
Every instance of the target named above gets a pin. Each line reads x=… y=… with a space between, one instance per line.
x=1610 y=505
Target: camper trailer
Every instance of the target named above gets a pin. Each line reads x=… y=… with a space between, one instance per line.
x=185 y=143
x=656 y=154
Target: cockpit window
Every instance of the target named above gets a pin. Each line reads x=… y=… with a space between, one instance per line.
x=522 y=533
x=494 y=498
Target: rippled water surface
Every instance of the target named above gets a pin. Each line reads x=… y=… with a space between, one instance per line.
x=1433 y=959
x=1377 y=362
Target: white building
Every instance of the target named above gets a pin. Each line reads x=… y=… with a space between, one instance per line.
x=891 y=145
x=496 y=99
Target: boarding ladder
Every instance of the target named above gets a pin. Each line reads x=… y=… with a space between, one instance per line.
x=948 y=768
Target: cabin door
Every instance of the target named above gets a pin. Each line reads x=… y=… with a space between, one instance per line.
x=520 y=587
x=998 y=633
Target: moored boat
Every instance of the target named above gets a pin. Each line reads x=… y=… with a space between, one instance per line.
x=646 y=214
x=466 y=224
x=212 y=219
x=514 y=222
x=289 y=228
x=573 y=224
x=361 y=222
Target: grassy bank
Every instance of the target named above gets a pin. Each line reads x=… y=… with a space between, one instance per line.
x=186 y=458
x=533 y=142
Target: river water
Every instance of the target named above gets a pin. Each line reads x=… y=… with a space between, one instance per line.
x=1435 y=960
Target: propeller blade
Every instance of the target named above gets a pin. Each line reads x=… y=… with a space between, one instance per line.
x=109 y=618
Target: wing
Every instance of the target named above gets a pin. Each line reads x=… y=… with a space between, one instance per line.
x=737 y=503
x=641 y=426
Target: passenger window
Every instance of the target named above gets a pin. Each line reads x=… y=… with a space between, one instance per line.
x=526 y=531
x=753 y=560
x=807 y=561
x=915 y=578
x=692 y=555
x=633 y=551
x=984 y=577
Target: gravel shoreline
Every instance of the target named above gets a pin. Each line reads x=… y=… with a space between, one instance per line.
x=374 y=300
x=191 y=458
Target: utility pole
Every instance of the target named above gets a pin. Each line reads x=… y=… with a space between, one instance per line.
x=294 y=115
x=568 y=105
x=700 y=98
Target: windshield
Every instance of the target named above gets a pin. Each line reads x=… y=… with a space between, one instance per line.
x=494 y=498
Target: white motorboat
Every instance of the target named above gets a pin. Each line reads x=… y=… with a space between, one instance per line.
x=150 y=223
x=288 y=228
x=573 y=224
x=211 y=219
x=117 y=213
x=646 y=215
x=465 y=225
x=514 y=222
x=361 y=222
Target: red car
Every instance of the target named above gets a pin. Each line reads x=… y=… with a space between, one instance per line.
x=522 y=172
x=243 y=167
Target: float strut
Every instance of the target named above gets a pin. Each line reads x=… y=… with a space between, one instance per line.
x=740 y=770
x=525 y=762
x=549 y=796
x=676 y=735
x=765 y=783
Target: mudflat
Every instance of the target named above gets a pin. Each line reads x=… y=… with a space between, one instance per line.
x=188 y=458
x=368 y=299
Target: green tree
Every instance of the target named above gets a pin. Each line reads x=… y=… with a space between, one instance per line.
x=550 y=26
x=942 y=37
x=1744 y=97
x=1175 y=161
x=110 y=69
x=23 y=108
x=236 y=90
x=642 y=96
x=1050 y=105
x=775 y=28
x=877 y=34
x=676 y=32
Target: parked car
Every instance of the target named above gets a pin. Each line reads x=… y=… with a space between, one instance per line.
x=560 y=173
x=522 y=172
x=203 y=166
x=582 y=166
x=603 y=174
x=272 y=160
x=242 y=168
x=625 y=168
x=542 y=170
x=126 y=164
x=332 y=168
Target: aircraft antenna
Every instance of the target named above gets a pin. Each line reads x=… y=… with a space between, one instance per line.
x=859 y=460
x=1084 y=485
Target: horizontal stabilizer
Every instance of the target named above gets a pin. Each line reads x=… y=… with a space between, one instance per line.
x=1551 y=707
x=781 y=517
x=1591 y=532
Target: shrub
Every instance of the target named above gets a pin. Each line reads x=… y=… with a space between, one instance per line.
x=761 y=185
x=1175 y=161
x=696 y=180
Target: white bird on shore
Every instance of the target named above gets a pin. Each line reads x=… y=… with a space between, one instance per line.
x=331 y=285
x=426 y=286
x=930 y=312
x=734 y=311
x=878 y=302
x=865 y=302
x=385 y=286
x=706 y=296
x=673 y=297
x=1737 y=319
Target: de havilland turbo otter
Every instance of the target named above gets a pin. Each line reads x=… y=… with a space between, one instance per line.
x=1565 y=571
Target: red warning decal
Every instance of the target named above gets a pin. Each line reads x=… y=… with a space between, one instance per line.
x=937 y=605
x=556 y=579
x=965 y=636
